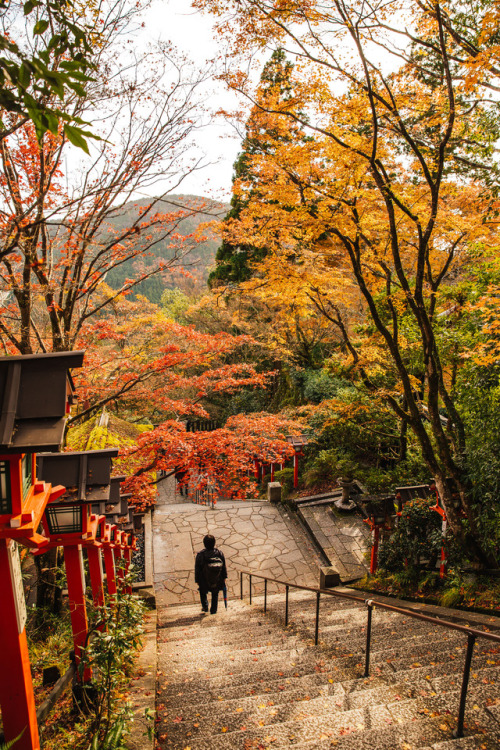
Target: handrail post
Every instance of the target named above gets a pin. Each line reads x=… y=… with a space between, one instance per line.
x=241 y=585
x=286 y=604
x=471 y=639
x=265 y=594
x=250 y=586
x=369 y=605
x=316 y=632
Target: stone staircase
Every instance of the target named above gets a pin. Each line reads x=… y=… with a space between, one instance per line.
x=240 y=679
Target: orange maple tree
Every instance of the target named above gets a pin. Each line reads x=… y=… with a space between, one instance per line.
x=222 y=459
x=387 y=195
x=147 y=368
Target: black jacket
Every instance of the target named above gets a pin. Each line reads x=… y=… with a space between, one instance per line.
x=199 y=568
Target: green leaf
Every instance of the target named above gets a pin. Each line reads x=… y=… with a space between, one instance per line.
x=54 y=42
x=74 y=136
x=56 y=83
x=52 y=121
x=40 y=27
x=11 y=743
x=77 y=88
x=24 y=76
x=28 y=7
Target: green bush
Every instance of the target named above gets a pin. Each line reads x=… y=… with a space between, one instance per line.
x=415 y=542
x=322 y=467
x=319 y=385
x=110 y=652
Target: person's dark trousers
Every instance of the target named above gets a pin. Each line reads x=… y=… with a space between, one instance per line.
x=204 y=601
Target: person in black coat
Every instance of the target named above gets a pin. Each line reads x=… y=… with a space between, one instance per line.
x=210 y=573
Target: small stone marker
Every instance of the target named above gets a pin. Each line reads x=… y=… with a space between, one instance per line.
x=274 y=492
x=328 y=578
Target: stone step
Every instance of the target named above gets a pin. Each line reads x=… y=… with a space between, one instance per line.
x=391 y=738
x=266 y=710
x=300 y=723
x=286 y=665
x=428 y=659
x=283 y=689
x=355 y=733
x=281 y=692
x=196 y=693
x=483 y=741
x=261 y=712
x=421 y=676
x=234 y=648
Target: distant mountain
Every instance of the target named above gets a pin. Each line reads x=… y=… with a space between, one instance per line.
x=198 y=257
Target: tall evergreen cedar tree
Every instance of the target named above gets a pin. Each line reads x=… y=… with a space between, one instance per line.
x=234 y=259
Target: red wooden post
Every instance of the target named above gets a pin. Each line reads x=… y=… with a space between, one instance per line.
x=374 y=554
x=295 y=470
x=257 y=469
x=442 y=567
x=73 y=562
x=16 y=686
x=272 y=472
x=109 y=566
x=35 y=396
x=96 y=575
x=127 y=556
x=119 y=558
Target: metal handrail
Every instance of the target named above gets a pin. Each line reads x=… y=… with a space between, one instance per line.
x=471 y=633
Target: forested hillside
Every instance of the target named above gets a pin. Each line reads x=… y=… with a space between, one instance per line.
x=198 y=245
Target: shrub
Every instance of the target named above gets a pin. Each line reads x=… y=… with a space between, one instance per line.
x=116 y=636
x=416 y=541
x=322 y=467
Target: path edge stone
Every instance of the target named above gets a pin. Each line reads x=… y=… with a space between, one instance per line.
x=143 y=688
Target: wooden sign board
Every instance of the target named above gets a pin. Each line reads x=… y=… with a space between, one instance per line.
x=17 y=584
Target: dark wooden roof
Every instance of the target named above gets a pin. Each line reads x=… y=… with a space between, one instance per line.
x=85 y=474
x=35 y=390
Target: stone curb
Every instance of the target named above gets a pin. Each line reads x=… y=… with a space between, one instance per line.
x=143 y=689
x=308 y=530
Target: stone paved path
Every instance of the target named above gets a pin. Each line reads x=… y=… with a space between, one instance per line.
x=251 y=534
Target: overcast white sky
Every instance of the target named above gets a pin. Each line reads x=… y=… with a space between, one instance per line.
x=193 y=35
